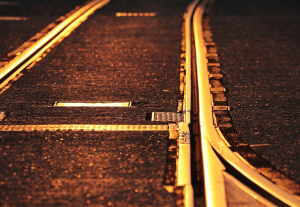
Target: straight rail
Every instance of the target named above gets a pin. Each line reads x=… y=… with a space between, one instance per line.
x=17 y=64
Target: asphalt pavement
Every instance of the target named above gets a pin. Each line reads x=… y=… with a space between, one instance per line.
x=37 y=14
x=137 y=59
x=107 y=58
x=258 y=47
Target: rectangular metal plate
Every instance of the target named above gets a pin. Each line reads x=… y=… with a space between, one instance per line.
x=13 y=18
x=221 y=108
x=92 y=104
x=167 y=117
x=135 y=14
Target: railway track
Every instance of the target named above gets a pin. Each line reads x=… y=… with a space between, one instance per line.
x=32 y=50
x=23 y=59
x=218 y=163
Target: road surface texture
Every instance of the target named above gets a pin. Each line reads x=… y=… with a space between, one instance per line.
x=38 y=15
x=107 y=58
x=258 y=47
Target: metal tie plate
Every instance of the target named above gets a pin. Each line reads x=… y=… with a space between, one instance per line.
x=167 y=117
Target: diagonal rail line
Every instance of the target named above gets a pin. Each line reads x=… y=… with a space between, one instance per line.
x=17 y=64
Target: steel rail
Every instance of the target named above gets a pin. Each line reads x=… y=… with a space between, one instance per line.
x=17 y=64
x=208 y=130
x=184 y=175
x=214 y=184
x=188 y=62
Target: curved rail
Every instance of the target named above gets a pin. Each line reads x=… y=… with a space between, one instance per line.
x=208 y=130
x=18 y=63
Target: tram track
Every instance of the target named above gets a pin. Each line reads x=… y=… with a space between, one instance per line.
x=34 y=49
x=220 y=162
